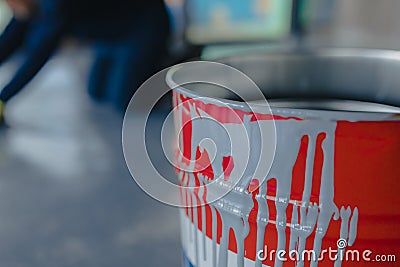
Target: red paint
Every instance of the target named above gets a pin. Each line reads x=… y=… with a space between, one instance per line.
x=227 y=167
x=367 y=175
x=224 y=114
x=186 y=138
x=203 y=164
x=253 y=186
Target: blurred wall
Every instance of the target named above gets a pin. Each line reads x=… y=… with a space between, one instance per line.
x=349 y=23
x=358 y=23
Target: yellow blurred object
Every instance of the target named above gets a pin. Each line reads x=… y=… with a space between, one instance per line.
x=2 y=105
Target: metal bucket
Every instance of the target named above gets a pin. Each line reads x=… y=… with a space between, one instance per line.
x=333 y=183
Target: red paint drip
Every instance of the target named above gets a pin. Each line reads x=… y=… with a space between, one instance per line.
x=227 y=166
x=253 y=186
x=203 y=164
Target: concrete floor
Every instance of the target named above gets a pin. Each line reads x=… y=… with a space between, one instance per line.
x=66 y=196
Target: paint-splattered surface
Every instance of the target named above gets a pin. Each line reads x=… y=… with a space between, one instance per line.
x=66 y=196
x=318 y=190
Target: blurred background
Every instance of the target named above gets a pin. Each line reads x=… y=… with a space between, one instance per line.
x=66 y=195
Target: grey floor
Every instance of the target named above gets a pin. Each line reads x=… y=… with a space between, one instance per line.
x=66 y=195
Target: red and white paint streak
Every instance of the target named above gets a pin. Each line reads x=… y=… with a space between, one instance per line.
x=296 y=203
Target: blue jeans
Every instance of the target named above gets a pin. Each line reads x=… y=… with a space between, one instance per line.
x=120 y=67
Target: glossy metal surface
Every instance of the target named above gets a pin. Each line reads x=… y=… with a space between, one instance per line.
x=351 y=148
x=352 y=74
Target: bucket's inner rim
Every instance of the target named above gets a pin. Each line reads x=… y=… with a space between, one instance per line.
x=298 y=103
x=330 y=105
x=289 y=81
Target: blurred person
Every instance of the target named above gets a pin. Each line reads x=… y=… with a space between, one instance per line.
x=128 y=38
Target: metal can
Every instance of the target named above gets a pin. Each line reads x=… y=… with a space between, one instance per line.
x=331 y=195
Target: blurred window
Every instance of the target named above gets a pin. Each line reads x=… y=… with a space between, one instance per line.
x=237 y=20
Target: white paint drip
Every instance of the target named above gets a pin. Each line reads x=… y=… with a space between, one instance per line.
x=353 y=227
x=235 y=207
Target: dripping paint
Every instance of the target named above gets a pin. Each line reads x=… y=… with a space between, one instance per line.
x=309 y=198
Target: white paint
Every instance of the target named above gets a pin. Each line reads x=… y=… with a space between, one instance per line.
x=235 y=207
